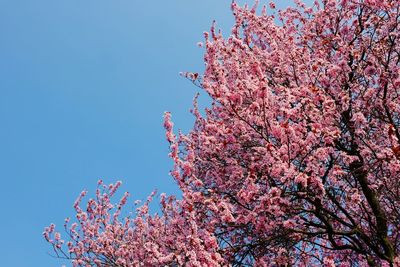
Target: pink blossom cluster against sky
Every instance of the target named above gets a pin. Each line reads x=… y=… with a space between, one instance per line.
x=295 y=163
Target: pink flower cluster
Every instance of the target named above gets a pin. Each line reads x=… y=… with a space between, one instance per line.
x=102 y=237
x=297 y=161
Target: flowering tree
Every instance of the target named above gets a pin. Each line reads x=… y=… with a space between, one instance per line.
x=296 y=163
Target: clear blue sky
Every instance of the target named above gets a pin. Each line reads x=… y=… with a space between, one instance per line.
x=83 y=87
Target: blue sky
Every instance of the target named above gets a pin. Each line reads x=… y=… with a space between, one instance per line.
x=84 y=84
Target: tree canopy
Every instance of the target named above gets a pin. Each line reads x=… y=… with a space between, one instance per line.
x=295 y=163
